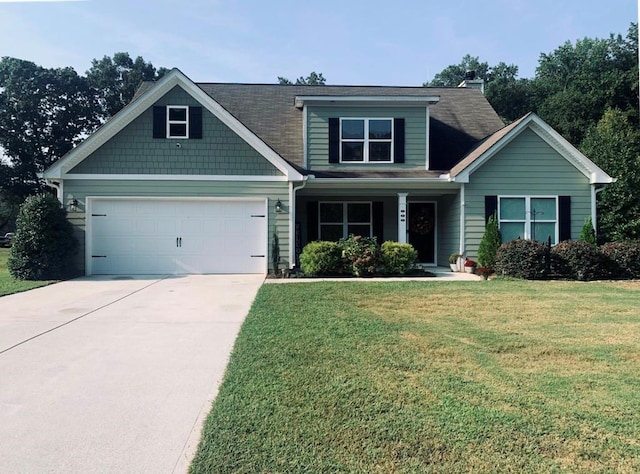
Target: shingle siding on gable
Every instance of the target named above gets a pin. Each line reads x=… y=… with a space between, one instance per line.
x=134 y=150
x=318 y=133
x=526 y=166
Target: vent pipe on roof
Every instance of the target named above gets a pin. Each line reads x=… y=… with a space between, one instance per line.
x=471 y=81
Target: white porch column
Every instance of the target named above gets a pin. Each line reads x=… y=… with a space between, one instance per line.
x=402 y=217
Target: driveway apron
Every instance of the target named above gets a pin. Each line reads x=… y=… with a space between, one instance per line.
x=114 y=374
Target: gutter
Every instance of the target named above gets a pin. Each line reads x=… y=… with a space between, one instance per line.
x=292 y=219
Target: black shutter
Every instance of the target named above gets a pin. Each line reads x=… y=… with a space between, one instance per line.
x=398 y=140
x=564 y=217
x=334 y=140
x=490 y=207
x=195 y=122
x=377 y=221
x=312 y=221
x=159 y=122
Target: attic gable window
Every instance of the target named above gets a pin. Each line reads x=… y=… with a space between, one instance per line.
x=177 y=121
x=366 y=140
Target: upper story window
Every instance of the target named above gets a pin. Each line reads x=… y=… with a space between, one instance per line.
x=528 y=217
x=177 y=121
x=366 y=140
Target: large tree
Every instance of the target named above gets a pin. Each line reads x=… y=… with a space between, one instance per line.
x=43 y=114
x=116 y=80
x=313 y=79
x=614 y=144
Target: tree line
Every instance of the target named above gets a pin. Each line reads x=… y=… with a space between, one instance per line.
x=587 y=91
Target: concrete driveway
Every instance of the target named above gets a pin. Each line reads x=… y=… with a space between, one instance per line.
x=114 y=374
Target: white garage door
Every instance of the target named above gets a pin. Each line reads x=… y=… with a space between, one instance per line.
x=140 y=236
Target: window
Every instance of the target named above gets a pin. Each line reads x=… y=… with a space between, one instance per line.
x=339 y=219
x=366 y=140
x=528 y=217
x=177 y=121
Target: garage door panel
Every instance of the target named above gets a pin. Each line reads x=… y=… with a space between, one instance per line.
x=164 y=236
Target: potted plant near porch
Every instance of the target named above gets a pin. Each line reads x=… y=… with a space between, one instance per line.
x=470 y=266
x=454 y=262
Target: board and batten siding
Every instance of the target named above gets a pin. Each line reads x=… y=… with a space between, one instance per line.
x=277 y=222
x=134 y=150
x=318 y=136
x=526 y=166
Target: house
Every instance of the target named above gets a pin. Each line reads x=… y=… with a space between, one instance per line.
x=198 y=178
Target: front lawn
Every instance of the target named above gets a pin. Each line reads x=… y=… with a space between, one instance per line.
x=8 y=284
x=431 y=376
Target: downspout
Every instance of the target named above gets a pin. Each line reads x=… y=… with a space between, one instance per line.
x=594 y=215
x=462 y=219
x=58 y=186
x=292 y=220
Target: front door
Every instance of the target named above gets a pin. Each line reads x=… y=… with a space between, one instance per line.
x=422 y=230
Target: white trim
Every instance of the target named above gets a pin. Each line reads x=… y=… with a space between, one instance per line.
x=593 y=208
x=292 y=221
x=402 y=218
x=176 y=177
x=305 y=146
x=366 y=141
x=143 y=103
x=462 y=220
x=89 y=200
x=381 y=100
x=583 y=164
x=184 y=122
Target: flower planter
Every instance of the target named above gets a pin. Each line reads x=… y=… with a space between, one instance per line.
x=469 y=269
x=454 y=267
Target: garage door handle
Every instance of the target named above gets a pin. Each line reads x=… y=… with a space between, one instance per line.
x=262 y=256
x=180 y=240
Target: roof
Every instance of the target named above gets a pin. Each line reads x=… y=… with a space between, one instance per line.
x=460 y=119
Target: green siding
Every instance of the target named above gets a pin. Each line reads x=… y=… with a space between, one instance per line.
x=134 y=150
x=278 y=222
x=318 y=136
x=526 y=166
x=448 y=227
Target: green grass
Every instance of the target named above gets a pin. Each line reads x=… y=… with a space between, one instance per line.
x=498 y=376
x=8 y=284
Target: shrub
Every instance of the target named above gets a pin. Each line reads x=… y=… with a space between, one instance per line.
x=522 y=259
x=623 y=258
x=578 y=260
x=361 y=254
x=321 y=258
x=44 y=243
x=489 y=244
x=396 y=258
x=588 y=233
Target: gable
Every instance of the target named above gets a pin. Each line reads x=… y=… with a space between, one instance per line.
x=133 y=150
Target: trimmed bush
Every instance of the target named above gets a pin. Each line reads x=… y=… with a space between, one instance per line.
x=361 y=254
x=578 y=260
x=588 y=233
x=522 y=259
x=489 y=244
x=396 y=258
x=623 y=258
x=321 y=258
x=44 y=243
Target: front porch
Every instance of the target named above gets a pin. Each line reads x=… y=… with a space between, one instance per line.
x=428 y=218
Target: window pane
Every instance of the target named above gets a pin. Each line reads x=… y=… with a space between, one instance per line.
x=511 y=231
x=380 y=129
x=177 y=130
x=541 y=231
x=512 y=208
x=353 y=129
x=178 y=114
x=352 y=151
x=380 y=151
x=331 y=232
x=543 y=209
x=331 y=212
x=358 y=212
x=363 y=230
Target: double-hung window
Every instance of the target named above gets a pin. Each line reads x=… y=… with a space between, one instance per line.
x=366 y=140
x=339 y=219
x=177 y=121
x=528 y=217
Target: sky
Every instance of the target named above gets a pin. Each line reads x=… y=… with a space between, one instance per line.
x=400 y=42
